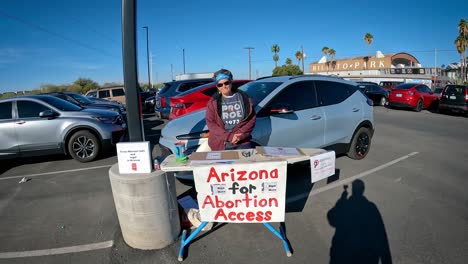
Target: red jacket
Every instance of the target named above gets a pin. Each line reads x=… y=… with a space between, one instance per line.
x=218 y=135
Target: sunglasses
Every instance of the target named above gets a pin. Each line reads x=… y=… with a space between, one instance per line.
x=219 y=85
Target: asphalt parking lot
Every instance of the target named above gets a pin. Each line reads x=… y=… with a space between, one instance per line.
x=415 y=175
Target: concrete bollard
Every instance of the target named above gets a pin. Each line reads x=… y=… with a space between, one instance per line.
x=146 y=206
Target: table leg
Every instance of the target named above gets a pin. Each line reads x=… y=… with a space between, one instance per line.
x=184 y=242
x=281 y=235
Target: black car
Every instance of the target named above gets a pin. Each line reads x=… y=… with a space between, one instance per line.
x=83 y=101
x=170 y=89
x=454 y=98
x=376 y=93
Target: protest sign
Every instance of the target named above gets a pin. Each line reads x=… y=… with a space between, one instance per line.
x=253 y=192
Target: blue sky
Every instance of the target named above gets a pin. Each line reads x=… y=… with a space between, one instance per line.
x=56 y=41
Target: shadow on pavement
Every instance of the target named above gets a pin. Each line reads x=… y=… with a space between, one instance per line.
x=360 y=235
x=299 y=186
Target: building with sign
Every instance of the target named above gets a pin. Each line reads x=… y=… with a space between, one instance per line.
x=381 y=67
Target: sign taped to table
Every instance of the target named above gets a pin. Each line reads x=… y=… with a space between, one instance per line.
x=322 y=166
x=242 y=193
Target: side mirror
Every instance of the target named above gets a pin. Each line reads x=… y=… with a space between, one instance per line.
x=48 y=114
x=431 y=92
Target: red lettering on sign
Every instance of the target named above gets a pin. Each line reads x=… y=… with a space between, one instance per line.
x=213 y=174
x=259 y=216
x=233 y=175
x=241 y=175
x=250 y=216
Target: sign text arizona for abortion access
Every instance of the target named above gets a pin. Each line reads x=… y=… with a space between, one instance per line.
x=242 y=193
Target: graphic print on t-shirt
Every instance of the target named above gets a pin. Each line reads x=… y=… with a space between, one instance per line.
x=232 y=111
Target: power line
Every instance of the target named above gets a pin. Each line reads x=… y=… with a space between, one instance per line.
x=90 y=28
x=43 y=29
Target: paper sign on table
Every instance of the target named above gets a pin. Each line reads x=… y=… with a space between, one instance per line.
x=322 y=166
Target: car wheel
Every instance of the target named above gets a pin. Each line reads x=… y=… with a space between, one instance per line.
x=360 y=144
x=83 y=146
x=419 y=106
x=383 y=101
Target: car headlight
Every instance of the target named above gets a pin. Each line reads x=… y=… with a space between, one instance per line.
x=196 y=135
x=114 y=109
x=107 y=119
x=150 y=101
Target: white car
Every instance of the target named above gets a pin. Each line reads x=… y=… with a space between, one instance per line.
x=307 y=111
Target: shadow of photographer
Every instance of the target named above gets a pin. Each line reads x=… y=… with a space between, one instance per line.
x=360 y=235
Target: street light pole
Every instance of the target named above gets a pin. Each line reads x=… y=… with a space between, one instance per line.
x=183 y=55
x=303 y=57
x=147 y=58
x=250 y=68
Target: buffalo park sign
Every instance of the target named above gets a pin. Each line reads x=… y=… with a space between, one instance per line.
x=253 y=192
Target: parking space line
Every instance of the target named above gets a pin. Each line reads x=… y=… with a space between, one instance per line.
x=57 y=251
x=347 y=180
x=53 y=172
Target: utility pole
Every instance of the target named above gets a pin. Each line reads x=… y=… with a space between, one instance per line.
x=147 y=57
x=151 y=70
x=172 y=73
x=303 y=57
x=183 y=56
x=250 y=67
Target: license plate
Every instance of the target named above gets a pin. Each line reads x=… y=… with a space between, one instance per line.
x=398 y=95
x=452 y=97
x=124 y=125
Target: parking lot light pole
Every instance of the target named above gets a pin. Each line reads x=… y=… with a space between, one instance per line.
x=147 y=57
x=250 y=68
x=146 y=203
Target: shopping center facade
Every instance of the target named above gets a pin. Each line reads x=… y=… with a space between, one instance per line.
x=400 y=66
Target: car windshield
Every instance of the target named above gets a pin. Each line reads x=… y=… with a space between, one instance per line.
x=81 y=99
x=259 y=90
x=405 y=86
x=60 y=103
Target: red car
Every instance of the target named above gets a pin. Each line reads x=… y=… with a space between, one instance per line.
x=412 y=95
x=196 y=98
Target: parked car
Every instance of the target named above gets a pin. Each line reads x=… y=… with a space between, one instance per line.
x=83 y=101
x=150 y=103
x=390 y=85
x=454 y=98
x=438 y=91
x=376 y=93
x=292 y=111
x=196 y=98
x=170 y=89
x=144 y=95
x=116 y=94
x=43 y=124
x=416 y=96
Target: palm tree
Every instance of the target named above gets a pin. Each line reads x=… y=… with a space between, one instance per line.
x=325 y=50
x=298 y=57
x=288 y=61
x=275 y=49
x=368 y=38
x=461 y=44
x=463 y=27
x=332 y=53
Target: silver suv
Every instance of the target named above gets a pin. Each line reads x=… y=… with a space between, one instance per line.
x=43 y=124
x=309 y=111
